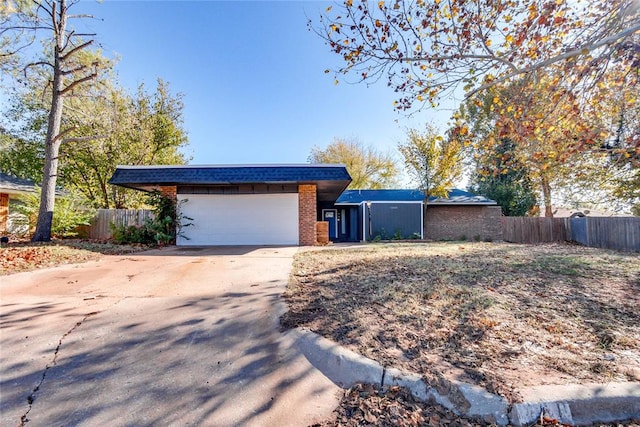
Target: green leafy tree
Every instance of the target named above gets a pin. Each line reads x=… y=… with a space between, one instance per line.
x=109 y=127
x=71 y=212
x=432 y=162
x=67 y=66
x=369 y=168
x=143 y=129
x=505 y=182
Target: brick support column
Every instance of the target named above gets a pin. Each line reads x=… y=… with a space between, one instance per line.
x=307 y=214
x=170 y=192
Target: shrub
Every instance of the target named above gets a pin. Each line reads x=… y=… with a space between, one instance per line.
x=70 y=212
x=162 y=229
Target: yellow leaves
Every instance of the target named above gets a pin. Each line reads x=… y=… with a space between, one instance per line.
x=420 y=98
x=437 y=1
x=487 y=42
x=381 y=4
x=333 y=27
x=551 y=128
x=328 y=9
x=335 y=82
x=378 y=23
x=509 y=38
x=464 y=130
x=349 y=3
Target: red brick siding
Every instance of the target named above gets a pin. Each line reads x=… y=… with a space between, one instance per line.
x=307 y=214
x=171 y=192
x=456 y=222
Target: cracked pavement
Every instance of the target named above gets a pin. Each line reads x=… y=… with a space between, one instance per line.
x=178 y=336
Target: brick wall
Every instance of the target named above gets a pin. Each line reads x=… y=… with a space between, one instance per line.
x=170 y=191
x=457 y=222
x=307 y=214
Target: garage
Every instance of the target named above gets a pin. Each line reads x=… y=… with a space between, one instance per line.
x=240 y=219
x=242 y=204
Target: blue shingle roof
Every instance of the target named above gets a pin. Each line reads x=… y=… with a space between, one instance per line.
x=330 y=179
x=456 y=196
x=193 y=175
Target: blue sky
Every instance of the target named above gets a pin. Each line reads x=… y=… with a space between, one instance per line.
x=252 y=76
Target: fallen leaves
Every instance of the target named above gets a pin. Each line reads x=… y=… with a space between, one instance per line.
x=26 y=256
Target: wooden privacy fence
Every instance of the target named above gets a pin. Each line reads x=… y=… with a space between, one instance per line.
x=101 y=229
x=611 y=233
x=535 y=230
x=620 y=233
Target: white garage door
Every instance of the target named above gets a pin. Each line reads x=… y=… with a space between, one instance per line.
x=241 y=219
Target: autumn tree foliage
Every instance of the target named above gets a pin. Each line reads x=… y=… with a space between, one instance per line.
x=425 y=49
x=432 y=162
x=369 y=168
x=498 y=176
x=569 y=56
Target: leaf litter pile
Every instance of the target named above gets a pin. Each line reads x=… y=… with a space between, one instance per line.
x=502 y=316
x=371 y=405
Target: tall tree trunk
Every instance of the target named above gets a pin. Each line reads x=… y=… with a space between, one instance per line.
x=546 y=195
x=53 y=138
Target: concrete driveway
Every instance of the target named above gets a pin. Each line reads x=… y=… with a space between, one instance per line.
x=178 y=336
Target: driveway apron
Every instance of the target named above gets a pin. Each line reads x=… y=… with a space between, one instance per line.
x=178 y=336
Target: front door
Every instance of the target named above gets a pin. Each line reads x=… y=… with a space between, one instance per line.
x=331 y=216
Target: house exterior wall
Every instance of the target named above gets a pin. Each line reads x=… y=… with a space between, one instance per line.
x=458 y=222
x=307 y=214
x=391 y=220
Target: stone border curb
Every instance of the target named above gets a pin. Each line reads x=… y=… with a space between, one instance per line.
x=570 y=404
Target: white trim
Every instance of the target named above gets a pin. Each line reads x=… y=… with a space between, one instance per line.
x=364 y=222
x=398 y=202
x=422 y=221
x=462 y=204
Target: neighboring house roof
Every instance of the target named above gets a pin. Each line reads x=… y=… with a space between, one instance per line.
x=461 y=197
x=456 y=197
x=331 y=180
x=12 y=185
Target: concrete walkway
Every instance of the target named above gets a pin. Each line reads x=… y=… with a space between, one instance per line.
x=179 y=336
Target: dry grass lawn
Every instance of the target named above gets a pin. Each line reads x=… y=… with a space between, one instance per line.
x=500 y=315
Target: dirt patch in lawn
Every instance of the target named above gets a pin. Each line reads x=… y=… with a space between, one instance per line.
x=502 y=316
x=26 y=256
